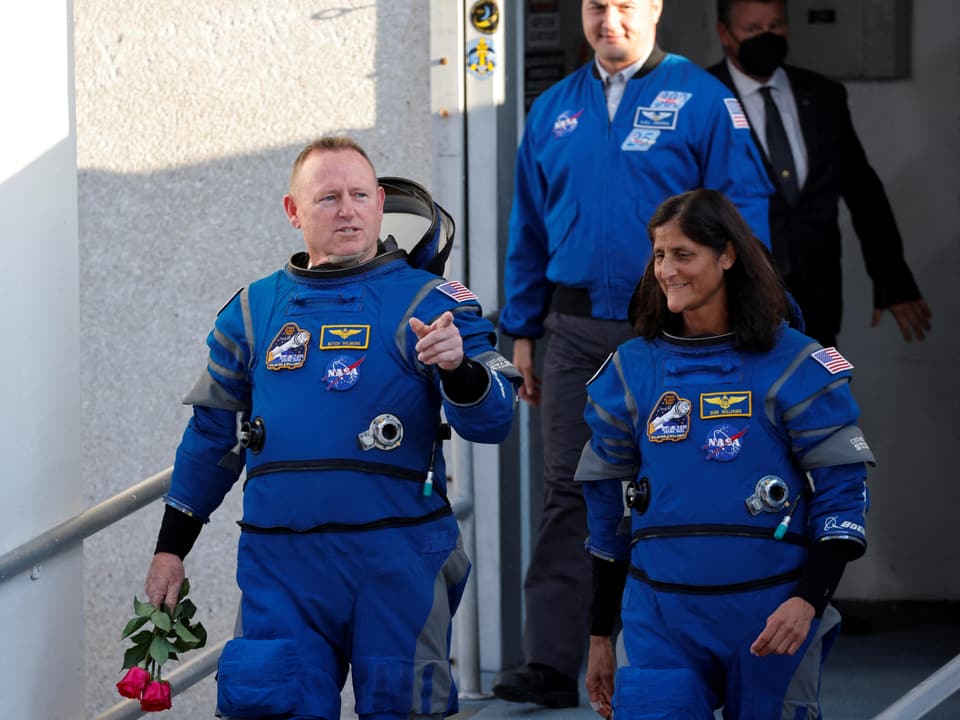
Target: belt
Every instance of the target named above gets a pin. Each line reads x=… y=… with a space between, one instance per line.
x=758 y=584
x=571 y=301
x=364 y=466
x=338 y=527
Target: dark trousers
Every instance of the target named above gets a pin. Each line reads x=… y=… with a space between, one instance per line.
x=558 y=585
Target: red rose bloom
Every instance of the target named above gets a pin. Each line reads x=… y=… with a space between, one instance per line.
x=168 y=633
x=133 y=682
x=156 y=697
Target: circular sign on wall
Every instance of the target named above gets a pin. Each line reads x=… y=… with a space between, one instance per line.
x=485 y=16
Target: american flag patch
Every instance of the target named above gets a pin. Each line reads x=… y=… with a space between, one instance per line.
x=832 y=360
x=457 y=290
x=737 y=116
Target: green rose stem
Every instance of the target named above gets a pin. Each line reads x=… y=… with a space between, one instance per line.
x=172 y=633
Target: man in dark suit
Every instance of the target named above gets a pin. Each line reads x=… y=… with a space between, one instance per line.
x=801 y=121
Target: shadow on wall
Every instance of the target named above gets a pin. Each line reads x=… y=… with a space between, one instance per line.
x=160 y=253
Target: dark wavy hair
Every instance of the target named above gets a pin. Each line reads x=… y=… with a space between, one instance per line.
x=756 y=301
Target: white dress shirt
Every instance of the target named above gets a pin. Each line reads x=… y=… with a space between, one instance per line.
x=749 y=91
x=614 y=85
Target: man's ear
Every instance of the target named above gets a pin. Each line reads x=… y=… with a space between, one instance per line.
x=727 y=41
x=290 y=208
x=656 y=9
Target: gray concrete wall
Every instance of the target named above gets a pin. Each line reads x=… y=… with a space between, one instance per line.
x=908 y=393
x=188 y=119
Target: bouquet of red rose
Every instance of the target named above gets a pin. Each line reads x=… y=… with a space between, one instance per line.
x=173 y=633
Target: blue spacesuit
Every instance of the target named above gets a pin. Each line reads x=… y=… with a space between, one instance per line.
x=736 y=463
x=350 y=553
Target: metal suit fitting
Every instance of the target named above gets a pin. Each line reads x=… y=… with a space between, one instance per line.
x=253 y=434
x=385 y=433
x=637 y=495
x=770 y=495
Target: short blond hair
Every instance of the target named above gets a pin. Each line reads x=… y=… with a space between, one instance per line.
x=328 y=143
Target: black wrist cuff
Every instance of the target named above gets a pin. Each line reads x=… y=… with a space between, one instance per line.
x=826 y=561
x=178 y=532
x=609 y=579
x=467 y=384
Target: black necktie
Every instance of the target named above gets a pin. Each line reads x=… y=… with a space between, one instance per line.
x=778 y=147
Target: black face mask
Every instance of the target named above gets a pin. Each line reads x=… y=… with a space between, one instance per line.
x=761 y=54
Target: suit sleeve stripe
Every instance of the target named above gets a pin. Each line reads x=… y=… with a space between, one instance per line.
x=229 y=345
x=770 y=401
x=802 y=406
x=225 y=372
x=248 y=324
x=607 y=417
x=815 y=432
x=400 y=336
x=628 y=398
x=592 y=467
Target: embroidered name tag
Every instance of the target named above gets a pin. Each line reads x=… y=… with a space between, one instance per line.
x=345 y=336
x=656 y=118
x=726 y=404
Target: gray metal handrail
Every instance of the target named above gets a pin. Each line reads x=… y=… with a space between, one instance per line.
x=927 y=695
x=79 y=527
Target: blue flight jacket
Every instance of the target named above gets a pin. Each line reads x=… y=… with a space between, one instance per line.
x=585 y=187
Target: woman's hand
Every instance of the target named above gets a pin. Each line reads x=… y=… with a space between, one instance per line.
x=786 y=629
x=601 y=668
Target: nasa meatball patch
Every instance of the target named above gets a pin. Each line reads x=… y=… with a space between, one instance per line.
x=724 y=442
x=343 y=372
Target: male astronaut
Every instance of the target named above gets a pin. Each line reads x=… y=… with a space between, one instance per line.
x=338 y=366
